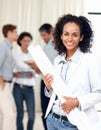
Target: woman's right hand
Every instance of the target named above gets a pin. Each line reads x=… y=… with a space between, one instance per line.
x=48 y=79
x=17 y=75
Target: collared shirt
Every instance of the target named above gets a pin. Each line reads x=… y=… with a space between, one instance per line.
x=21 y=66
x=6 y=60
x=50 y=51
x=65 y=66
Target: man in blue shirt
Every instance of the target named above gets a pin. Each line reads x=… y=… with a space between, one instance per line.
x=6 y=75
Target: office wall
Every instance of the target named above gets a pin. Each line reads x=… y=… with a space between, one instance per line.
x=29 y=15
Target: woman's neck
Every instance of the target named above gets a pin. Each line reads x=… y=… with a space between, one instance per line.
x=24 y=50
x=70 y=53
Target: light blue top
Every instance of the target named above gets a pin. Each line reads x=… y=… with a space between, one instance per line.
x=50 y=51
x=6 y=60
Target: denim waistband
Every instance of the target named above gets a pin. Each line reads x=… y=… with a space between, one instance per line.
x=59 y=116
x=23 y=86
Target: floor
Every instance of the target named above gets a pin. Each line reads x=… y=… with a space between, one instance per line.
x=38 y=122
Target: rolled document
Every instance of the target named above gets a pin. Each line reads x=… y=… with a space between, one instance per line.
x=77 y=117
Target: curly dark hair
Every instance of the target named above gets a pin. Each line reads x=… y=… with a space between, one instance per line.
x=85 y=31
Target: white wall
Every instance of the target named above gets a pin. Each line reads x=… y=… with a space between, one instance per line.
x=30 y=14
x=96 y=21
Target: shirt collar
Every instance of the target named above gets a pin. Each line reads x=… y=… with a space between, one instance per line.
x=74 y=58
x=8 y=43
x=22 y=53
x=76 y=55
x=50 y=41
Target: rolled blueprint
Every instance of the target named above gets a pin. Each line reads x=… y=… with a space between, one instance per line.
x=77 y=117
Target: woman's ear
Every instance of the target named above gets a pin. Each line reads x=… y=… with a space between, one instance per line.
x=81 y=38
x=61 y=37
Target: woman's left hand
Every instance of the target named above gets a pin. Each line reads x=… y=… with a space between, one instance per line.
x=35 y=67
x=69 y=104
x=30 y=75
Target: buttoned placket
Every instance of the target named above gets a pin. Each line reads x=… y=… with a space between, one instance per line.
x=64 y=70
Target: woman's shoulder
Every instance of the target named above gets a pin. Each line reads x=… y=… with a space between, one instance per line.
x=59 y=58
x=92 y=60
x=90 y=56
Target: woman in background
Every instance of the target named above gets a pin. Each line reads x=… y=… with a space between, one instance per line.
x=24 y=82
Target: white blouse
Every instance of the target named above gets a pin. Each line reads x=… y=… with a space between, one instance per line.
x=21 y=66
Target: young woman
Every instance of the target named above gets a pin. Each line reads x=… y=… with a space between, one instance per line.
x=78 y=69
x=24 y=82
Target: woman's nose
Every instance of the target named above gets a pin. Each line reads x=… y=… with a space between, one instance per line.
x=70 y=38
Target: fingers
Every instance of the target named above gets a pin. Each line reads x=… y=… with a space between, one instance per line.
x=67 y=111
x=66 y=105
x=69 y=104
x=65 y=108
x=30 y=76
x=48 y=79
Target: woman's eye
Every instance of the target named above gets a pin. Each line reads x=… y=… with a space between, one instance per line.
x=65 y=34
x=75 y=35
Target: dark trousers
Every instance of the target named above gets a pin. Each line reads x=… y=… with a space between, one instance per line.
x=27 y=95
x=44 y=103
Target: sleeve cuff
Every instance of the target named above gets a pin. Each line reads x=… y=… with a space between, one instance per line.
x=48 y=93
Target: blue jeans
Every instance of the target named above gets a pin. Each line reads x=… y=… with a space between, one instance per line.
x=58 y=124
x=27 y=95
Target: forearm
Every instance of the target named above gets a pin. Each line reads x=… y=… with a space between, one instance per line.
x=35 y=67
x=1 y=82
x=37 y=70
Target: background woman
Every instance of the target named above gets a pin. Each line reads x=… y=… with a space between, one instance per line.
x=24 y=82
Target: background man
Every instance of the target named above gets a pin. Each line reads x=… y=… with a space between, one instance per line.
x=6 y=75
x=46 y=33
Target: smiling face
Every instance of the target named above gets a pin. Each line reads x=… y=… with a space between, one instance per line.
x=71 y=36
